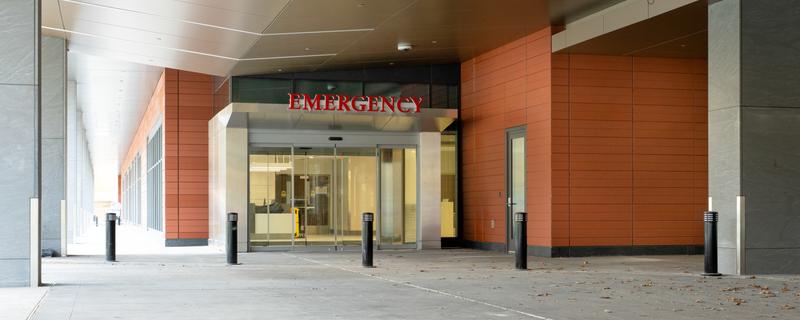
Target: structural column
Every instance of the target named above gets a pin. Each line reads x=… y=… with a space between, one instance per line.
x=54 y=107
x=754 y=134
x=19 y=143
x=430 y=193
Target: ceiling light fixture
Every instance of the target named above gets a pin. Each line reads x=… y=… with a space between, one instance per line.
x=403 y=47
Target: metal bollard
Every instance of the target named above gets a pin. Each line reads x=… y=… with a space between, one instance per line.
x=111 y=237
x=520 y=240
x=710 y=251
x=232 y=255
x=366 y=239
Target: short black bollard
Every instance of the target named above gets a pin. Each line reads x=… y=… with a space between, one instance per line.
x=233 y=257
x=366 y=239
x=111 y=237
x=520 y=240
x=710 y=251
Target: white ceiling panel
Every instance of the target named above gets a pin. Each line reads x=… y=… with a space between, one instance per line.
x=246 y=15
x=278 y=65
x=155 y=30
x=305 y=44
x=322 y=15
x=151 y=55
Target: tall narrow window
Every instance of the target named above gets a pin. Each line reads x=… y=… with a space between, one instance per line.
x=449 y=205
x=155 y=192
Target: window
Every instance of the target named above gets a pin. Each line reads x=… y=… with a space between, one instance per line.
x=155 y=190
x=449 y=205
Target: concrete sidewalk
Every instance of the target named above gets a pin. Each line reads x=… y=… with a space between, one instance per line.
x=446 y=284
x=20 y=303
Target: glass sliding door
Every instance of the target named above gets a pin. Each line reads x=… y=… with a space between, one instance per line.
x=313 y=195
x=398 y=197
x=356 y=180
x=271 y=220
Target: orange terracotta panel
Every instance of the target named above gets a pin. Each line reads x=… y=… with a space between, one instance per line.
x=193 y=235
x=600 y=78
x=195 y=87
x=193 y=76
x=193 y=201
x=598 y=62
x=669 y=65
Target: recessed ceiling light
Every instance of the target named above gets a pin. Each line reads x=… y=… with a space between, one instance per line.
x=280 y=70
x=391 y=63
x=434 y=42
x=307 y=49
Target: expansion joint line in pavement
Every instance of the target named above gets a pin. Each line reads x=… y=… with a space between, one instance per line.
x=32 y=315
x=430 y=290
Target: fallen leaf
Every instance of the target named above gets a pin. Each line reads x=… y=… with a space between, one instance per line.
x=736 y=301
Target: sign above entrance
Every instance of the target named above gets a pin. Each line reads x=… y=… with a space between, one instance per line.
x=345 y=103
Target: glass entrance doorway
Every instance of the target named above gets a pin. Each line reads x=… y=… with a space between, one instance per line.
x=306 y=196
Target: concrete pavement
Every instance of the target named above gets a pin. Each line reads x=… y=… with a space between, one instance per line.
x=446 y=284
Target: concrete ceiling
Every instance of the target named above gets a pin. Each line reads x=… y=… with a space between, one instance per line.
x=260 y=36
x=117 y=48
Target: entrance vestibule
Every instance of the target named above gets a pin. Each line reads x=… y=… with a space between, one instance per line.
x=313 y=196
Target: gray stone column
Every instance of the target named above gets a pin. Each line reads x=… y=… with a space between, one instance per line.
x=19 y=142
x=72 y=178
x=54 y=105
x=754 y=134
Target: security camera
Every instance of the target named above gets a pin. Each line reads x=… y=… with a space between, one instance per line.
x=403 y=47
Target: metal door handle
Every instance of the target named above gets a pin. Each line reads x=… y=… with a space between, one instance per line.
x=509 y=203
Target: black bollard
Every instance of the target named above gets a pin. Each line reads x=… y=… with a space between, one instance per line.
x=520 y=240
x=366 y=239
x=233 y=217
x=710 y=251
x=111 y=237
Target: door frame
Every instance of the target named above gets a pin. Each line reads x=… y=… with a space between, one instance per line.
x=512 y=133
